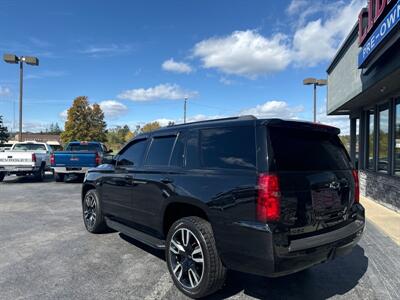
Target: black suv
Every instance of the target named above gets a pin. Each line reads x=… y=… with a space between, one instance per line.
x=268 y=197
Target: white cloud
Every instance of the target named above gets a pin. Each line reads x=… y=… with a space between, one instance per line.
x=177 y=67
x=46 y=74
x=225 y=81
x=106 y=50
x=296 y=6
x=4 y=91
x=274 y=109
x=318 y=40
x=63 y=115
x=113 y=109
x=161 y=91
x=246 y=53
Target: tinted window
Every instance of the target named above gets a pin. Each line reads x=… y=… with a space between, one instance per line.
x=228 y=148
x=30 y=147
x=160 y=151
x=83 y=147
x=370 y=137
x=301 y=150
x=383 y=140
x=132 y=154
x=397 y=141
x=178 y=152
x=192 y=149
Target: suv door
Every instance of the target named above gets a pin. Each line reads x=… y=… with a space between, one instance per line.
x=116 y=191
x=153 y=182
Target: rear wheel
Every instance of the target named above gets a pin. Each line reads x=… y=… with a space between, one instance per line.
x=39 y=175
x=192 y=258
x=58 y=177
x=92 y=214
x=2 y=175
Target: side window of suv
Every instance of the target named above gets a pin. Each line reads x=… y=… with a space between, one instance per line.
x=132 y=154
x=160 y=151
x=228 y=148
x=178 y=153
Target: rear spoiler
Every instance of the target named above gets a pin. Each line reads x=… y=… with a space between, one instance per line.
x=301 y=125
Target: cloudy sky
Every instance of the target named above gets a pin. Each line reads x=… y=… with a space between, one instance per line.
x=139 y=59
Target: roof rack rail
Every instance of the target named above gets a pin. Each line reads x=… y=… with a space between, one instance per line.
x=245 y=117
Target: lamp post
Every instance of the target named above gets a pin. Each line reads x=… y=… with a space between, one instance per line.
x=315 y=83
x=30 y=60
x=184 y=110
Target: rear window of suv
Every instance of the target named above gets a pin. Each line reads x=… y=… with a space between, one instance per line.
x=228 y=148
x=306 y=150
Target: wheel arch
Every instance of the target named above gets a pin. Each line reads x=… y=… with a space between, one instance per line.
x=86 y=188
x=177 y=210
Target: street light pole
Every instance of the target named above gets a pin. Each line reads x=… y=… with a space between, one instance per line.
x=184 y=110
x=315 y=83
x=30 y=60
x=315 y=103
x=21 y=84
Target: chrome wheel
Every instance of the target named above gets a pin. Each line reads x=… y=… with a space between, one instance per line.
x=89 y=211
x=186 y=257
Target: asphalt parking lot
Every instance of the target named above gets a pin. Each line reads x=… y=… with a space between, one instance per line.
x=45 y=253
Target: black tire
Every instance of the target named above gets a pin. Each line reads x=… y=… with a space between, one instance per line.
x=2 y=175
x=39 y=175
x=91 y=208
x=213 y=272
x=59 y=177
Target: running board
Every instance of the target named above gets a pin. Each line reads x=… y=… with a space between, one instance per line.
x=136 y=234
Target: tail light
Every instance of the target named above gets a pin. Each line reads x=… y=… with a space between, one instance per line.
x=269 y=198
x=356 y=187
x=33 y=157
x=52 y=160
x=98 y=159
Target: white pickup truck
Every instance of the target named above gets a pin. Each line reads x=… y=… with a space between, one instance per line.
x=26 y=158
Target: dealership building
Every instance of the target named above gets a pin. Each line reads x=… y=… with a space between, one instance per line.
x=364 y=83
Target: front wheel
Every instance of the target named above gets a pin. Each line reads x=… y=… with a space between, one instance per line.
x=192 y=258
x=92 y=214
x=2 y=175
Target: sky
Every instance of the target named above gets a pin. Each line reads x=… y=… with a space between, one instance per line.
x=140 y=59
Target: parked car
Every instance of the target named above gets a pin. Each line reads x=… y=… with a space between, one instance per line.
x=77 y=158
x=25 y=158
x=262 y=196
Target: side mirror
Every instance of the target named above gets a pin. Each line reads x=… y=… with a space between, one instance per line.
x=109 y=159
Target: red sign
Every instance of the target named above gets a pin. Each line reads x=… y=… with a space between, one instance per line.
x=369 y=16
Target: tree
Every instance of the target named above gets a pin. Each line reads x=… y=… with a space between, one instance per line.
x=4 y=135
x=150 y=126
x=118 y=136
x=54 y=129
x=84 y=122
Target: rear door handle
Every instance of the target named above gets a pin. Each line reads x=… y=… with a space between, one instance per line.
x=167 y=180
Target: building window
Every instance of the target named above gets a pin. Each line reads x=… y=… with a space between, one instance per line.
x=357 y=147
x=370 y=137
x=397 y=140
x=383 y=139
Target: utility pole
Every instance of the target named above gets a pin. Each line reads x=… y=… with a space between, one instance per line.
x=184 y=110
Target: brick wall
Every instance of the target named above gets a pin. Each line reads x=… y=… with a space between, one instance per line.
x=381 y=188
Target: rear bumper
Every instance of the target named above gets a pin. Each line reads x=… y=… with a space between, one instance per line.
x=65 y=170
x=18 y=169
x=264 y=253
